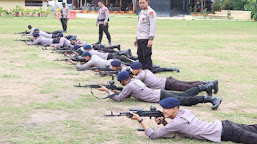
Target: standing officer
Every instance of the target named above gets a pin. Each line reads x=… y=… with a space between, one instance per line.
x=145 y=34
x=64 y=16
x=102 y=20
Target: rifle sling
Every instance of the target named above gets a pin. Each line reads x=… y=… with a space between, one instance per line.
x=110 y=96
x=144 y=76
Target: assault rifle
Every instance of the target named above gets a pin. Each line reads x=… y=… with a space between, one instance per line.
x=63 y=48
x=153 y=112
x=62 y=51
x=76 y=60
x=96 y=68
x=44 y=46
x=174 y=69
x=29 y=40
x=25 y=32
x=110 y=86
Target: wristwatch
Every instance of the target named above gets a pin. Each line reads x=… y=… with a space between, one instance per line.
x=150 y=38
x=140 y=120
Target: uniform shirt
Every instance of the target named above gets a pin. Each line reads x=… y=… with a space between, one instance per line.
x=124 y=67
x=146 y=24
x=65 y=13
x=103 y=15
x=151 y=80
x=46 y=35
x=81 y=43
x=95 y=61
x=138 y=89
x=187 y=125
x=63 y=43
x=42 y=41
x=31 y=32
x=100 y=54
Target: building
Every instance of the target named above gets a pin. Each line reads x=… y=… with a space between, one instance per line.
x=26 y=4
x=172 y=8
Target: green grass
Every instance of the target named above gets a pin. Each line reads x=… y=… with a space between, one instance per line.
x=34 y=84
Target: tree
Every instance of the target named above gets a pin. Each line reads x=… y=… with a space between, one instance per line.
x=134 y=5
x=201 y=6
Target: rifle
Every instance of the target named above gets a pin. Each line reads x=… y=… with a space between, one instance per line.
x=63 y=48
x=141 y=112
x=96 y=68
x=30 y=40
x=110 y=85
x=174 y=69
x=76 y=60
x=25 y=32
x=108 y=73
x=62 y=51
x=44 y=46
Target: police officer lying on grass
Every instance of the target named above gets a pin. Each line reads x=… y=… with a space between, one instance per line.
x=64 y=42
x=155 y=69
x=137 y=89
x=185 y=123
x=91 y=61
x=170 y=83
x=40 y=40
x=107 y=56
x=32 y=31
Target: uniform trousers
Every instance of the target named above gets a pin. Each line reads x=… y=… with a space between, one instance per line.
x=64 y=23
x=239 y=133
x=104 y=29
x=187 y=98
x=144 y=54
x=176 y=85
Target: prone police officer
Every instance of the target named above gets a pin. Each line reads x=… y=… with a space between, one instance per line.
x=102 y=21
x=64 y=16
x=145 y=34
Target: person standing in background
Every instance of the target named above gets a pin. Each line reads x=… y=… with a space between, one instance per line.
x=145 y=34
x=64 y=16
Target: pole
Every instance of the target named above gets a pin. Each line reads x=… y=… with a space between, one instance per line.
x=120 y=4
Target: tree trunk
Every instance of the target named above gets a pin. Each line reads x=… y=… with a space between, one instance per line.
x=134 y=5
x=201 y=6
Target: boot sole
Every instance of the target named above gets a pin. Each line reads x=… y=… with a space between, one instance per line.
x=216 y=107
x=216 y=87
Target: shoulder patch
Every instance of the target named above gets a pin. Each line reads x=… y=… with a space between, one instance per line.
x=152 y=14
x=106 y=10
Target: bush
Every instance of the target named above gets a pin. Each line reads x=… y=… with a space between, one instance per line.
x=227 y=5
x=2 y=11
x=239 y=4
x=252 y=6
x=205 y=13
x=26 y=12
x=216 y=6
x=195 y=9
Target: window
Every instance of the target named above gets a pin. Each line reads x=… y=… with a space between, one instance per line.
x=33 y=3
x=69 y=1
x=60 y=0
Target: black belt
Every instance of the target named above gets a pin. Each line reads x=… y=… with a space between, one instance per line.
x=102 y=19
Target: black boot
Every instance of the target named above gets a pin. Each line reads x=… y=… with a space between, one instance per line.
x=216 y=86
x=207 y=87
x=127 y=53
x=134 y=58
x=214 y=100
x=117 y=46
x=125 y=59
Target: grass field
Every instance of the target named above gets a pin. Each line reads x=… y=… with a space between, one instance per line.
x=38 y=103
